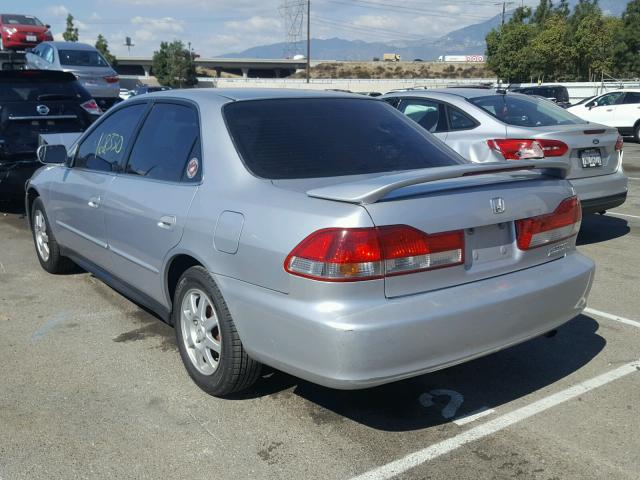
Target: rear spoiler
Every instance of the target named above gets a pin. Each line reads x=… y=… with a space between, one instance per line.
x=373 y=189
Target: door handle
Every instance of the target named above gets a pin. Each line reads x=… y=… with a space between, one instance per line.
x=609 y=109
x=94 y=202
x=167 y=221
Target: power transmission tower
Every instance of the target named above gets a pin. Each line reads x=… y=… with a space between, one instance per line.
x=504 y=8
x=293 y=12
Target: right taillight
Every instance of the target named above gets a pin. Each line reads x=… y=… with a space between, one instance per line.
x=352 y=254
x=562 y=223
x=92 y=107
x=619 y=143
x=522 y=149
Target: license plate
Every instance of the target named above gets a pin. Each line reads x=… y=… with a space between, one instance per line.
x=591 y=158
x=32 y=38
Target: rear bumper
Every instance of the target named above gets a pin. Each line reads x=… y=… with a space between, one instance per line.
x=13 y=176
x=602 y=192
x=367 y=343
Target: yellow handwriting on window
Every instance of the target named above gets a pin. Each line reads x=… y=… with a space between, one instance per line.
x=111 y=142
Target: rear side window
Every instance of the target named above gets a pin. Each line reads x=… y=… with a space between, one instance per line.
x=167 y=147
x=329 y=137
x=631 y=98
x=104 y=149
x=459 y=120
x=525 y=111
x=82 y=58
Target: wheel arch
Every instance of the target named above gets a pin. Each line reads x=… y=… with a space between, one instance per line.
x=176 y=266
x=32 y=194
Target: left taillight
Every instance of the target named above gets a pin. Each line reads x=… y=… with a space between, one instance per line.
x=562 y=223
x=92 y=107
x=112 y=79
x=353 y=254
x=522 y=149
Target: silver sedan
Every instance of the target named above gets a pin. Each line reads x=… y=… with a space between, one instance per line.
x=488 y=126
x=323 y=234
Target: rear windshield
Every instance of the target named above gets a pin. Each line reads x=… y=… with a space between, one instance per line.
x=525 y=111
x=82 y=58
x=313 y=138
x=32 y=90
x=20 y=20
x=548 y=92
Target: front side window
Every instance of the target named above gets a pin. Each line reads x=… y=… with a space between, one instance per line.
x=523 y=111
x=329 y=137
x=167 y=147
x=104 y=149
x=82 y=58
x=427 y=113
x=608 y=99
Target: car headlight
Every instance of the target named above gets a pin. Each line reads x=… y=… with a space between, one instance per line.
x=10 y=30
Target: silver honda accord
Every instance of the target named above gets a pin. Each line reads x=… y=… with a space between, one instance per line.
x=489 y=125
x=323 y=234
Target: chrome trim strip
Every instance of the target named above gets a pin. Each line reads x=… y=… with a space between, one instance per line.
x=135 y=260
x=82 y=234
x=43 y=117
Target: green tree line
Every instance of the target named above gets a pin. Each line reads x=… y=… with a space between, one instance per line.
x=553 y=43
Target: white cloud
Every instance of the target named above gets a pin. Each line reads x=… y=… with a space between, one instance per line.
x=166 y=24
x=58 y=10
x=253 y=24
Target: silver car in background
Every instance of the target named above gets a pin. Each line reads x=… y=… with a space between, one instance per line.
x=489 y=125
x=85 y=62
x=323 y=234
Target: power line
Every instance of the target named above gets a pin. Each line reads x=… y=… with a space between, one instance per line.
x=403 y=9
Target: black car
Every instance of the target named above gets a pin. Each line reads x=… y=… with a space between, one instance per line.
x=34 y=102
x=557 y=93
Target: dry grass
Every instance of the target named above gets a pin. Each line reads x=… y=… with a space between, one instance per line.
x=397 y=70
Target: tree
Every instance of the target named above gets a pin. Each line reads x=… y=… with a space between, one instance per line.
x=71 y=33
x=594 y=44
x=628 y=41
x=551 y=51
x=544 y=11
x=562 y=9
x=173 y=65
x=507 y=47
x=103 y=47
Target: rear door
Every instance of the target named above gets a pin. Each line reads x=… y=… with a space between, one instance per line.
x=628 y=110
x=147 y=205
x=77 y=202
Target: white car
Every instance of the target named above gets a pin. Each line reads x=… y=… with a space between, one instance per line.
x=619 y=108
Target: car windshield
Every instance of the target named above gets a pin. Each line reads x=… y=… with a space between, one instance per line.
x=525 y=111
x=82 y=58
x=33 y=90
x=20 y=20
x=328 y=137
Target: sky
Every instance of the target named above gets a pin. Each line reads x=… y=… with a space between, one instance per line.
x=216 y=27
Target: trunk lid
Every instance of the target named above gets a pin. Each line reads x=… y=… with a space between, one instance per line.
x=583 y=140
x=467 y=203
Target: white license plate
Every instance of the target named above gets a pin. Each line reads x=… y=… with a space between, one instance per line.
x=591 y=158
x=32 y=38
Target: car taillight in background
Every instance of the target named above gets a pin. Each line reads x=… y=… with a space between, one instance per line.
x=522 y=149
x=92 y=107
x=619 y=143
x=351 y=254
x=112 y=79
x=562 y=223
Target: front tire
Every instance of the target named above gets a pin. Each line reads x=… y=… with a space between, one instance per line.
x=47 y=248
x=207 y=338
x=636 y=132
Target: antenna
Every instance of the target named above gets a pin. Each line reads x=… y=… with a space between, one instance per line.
x=293 y=12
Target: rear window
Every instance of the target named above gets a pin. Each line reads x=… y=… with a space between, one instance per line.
x=26 y=90
x=525 y=111
x=82 y=58
x=20 y=20
x=313 y=138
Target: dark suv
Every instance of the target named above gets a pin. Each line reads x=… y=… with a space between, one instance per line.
x=34 y=102
x=556 y=93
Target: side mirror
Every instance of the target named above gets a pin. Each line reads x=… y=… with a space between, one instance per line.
x=47 y=26
x=52 y=154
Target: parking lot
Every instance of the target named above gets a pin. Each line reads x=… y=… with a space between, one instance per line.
x=92 y=386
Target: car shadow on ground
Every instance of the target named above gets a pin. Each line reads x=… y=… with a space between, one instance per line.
x=441 y=397
x=600 y=228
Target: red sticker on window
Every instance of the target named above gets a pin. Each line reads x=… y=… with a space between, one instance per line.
x=192 y=167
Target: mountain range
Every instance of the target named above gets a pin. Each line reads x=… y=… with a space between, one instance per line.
x=469 y=40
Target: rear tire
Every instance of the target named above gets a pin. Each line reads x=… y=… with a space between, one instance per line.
x=207 y=338
x=47 y=248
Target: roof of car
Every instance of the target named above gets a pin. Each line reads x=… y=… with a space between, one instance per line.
x=71 y=45
x=196 y=94
x=458 y=92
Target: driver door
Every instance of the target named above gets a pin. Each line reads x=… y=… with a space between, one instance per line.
x=603 y=109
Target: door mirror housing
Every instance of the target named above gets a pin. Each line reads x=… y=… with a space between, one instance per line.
x=52 y=154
